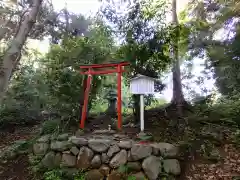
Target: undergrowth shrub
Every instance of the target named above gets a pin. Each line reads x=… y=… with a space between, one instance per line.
x=236 y=138
x=226 y=110
x=131 y=177
x=51 y=126
x=80 y=176
x=58 y=174
x=55 y=174
x=25 y=97
x=17 y=115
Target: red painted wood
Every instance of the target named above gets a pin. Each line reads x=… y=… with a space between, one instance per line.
x=104 y=65
x=119 y=99
x=86 y=95
x=143 y=142
x=101 y=72
x=82 y=98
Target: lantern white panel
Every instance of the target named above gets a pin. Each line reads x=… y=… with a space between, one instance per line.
x=142 y=86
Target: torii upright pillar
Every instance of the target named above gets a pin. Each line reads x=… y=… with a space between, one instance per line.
x=119 y=94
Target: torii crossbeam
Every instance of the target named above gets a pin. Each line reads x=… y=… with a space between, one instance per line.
x=90 y=70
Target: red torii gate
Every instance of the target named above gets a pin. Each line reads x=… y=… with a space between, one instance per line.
x=89 y=71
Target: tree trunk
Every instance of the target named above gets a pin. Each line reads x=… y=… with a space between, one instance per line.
x=14 y=50
x=177 y=98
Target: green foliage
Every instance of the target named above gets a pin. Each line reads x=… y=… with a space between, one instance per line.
x=55 y=174
x=156 y=103
x=131 y=177
x=225 y=61
x=16 y=148
x=236 y=138
x=51 y=126
x=224 y=111
x=25 y=96
x=145 y=41
x=80 y=176
x=52 y=82
x=145 y=138
x=228 y=109
x=123 y=169
x=209 y=151
x=24 y=146
x=62 y=174
x=62 y=69
x=99 y=107
x=34 y=160
x=204 y=19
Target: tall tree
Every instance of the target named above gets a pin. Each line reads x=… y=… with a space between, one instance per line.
x=220 y=55
x=177 y=98
x=145 y=39
x=11 y=56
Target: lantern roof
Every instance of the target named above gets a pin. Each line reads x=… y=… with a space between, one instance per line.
x=140 y=76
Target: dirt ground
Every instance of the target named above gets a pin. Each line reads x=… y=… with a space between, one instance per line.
x=16 y=169
x=226 y=169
